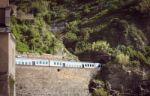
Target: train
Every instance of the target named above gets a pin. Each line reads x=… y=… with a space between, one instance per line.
x=56 y=63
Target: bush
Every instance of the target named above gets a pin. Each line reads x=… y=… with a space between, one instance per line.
x=22 y=47
x=101 y=46
x=100 y=92
x=122 y=58
x=71 y=36
x=135 y=62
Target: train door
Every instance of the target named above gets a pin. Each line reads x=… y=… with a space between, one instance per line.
x=82 y=65
x=63 y=64
x=33 y=62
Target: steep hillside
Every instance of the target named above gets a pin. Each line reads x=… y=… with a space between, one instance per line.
x=120 y=80
x=81 y=25
x=30 y=25
x=114 y=32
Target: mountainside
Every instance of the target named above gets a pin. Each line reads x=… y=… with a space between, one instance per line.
x=114 y=32
x=80 y=25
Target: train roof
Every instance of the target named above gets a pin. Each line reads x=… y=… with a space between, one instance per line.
x=25 y=58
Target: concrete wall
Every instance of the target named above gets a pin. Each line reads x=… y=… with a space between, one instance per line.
x=7 y=64
x=4 y=52
x=11 y=56
x=7 y=53
x=3 y=85
x=4 y=3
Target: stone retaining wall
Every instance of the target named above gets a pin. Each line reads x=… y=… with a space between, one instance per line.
x=49 y=81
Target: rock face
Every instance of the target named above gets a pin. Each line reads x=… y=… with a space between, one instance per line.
x=126 y=80
x=51 y=81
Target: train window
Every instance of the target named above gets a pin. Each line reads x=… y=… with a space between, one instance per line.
x=57 y=63
x=54 y=63
x=23 y=63
x=43 y=62
x=40 y=62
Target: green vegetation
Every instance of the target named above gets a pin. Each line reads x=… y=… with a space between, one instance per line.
x=118 y=29
x=97 y=87
x=122 y=58
x=33 y=34
x=100 y=92
x=109 y=27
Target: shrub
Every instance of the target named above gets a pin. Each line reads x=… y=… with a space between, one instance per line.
x=22 y=47
x=121 y=58
x=135 y=62
x=71 y=36
x=100 y=92
x=101 y=46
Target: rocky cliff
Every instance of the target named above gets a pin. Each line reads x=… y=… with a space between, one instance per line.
x=122 y=80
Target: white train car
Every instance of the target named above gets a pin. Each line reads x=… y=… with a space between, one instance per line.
x=28 y=61
x=56 y=63
x=23 y=61
x=74 y=64
x=89 y=65
x=40 y=62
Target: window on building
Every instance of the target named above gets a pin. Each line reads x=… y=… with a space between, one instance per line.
x=2 y=16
